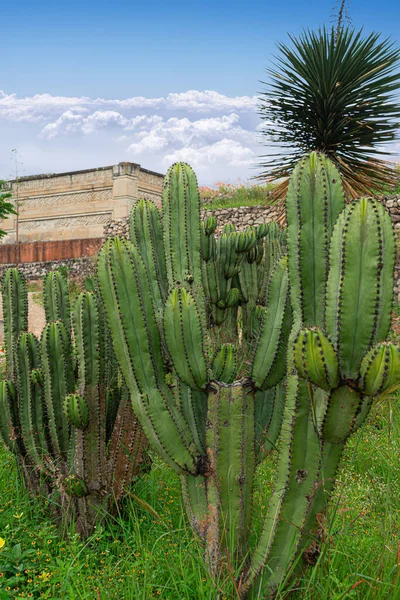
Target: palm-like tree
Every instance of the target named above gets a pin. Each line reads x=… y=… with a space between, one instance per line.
x=335 y=94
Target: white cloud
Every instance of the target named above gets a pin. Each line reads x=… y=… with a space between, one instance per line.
x=221 y=153
x=185 y=132
x=67 y=123
x=216 y=133
x=41 y=107
x=204 y=101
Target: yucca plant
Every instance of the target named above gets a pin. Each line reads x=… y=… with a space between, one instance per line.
x=335 y=94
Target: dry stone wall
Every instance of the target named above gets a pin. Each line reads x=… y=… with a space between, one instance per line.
x=241 y=217
x=392 y=203
x=244 y=216
x=76 y=267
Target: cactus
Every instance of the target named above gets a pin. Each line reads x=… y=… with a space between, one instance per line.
x=213 y=430
x=200 y=421
x=341 y=308
x=15 y=311
x=74 y=444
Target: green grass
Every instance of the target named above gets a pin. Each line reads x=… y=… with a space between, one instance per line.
x=233 y=196
x=140 y=557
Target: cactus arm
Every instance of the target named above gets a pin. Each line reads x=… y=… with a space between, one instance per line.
x=30 y=398
x=57 y=384
x=298 y=470
x=224 y=365
x=181 y=217
x=266 y=371
x=195 y=502
x=315 y=359
x=129 y=291
x=134 y=348
x=56 y=299
x=353 y=290
x=15 y=314
x=7 y=422
x=146 y=234
x=87 y=339
x=343 y=405
x=331 y=457
x=184 y=337
x=212 y=278
x=312 y=207
x=230 y=447
x=90 y=441
x=235 y=467
x=380 y=369
x=386 y=274
x=268 y=408
x=194 y=408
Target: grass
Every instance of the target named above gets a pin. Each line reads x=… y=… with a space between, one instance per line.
x=226 y=195
x=140 y=557
x=137 y=556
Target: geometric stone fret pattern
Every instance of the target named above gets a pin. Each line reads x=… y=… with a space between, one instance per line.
x=62 y=199
x=66 y=222
x=95 y=176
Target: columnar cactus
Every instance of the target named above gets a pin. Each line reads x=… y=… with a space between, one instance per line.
x=341 y=264
x=212 y=429
x=182 y=389
x=72 y=429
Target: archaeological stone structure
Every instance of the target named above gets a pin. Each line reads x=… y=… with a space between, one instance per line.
x=73 y=206
x=64 y=218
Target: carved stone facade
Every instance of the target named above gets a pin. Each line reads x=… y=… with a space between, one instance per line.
x=77 y=205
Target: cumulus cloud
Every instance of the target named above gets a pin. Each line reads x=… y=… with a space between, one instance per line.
x=185 y=132
x=216 y=133
x=43 y=106
x=223 y=152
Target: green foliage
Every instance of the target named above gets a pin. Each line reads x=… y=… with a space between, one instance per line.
x=336 y=95
x=68 y=422
x=213 y=433
x=214 y=408
x=227 y=195
x=6 y=207
x=137 y=556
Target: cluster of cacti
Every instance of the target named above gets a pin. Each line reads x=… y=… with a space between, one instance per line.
x=212 y=419
x=300 y=354
x=67 y=418
x=236 y=267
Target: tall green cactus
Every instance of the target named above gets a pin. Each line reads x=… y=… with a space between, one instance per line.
x=15 y=312
x=211 y=429
x=55 y=418
x=201 y=423
x=341 y=277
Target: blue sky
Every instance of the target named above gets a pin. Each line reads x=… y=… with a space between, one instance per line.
x=92 y=83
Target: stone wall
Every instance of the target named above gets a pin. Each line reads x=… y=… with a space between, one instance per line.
x=34 y=252
x=76 y=205
x=76 y=267
x=244 y=216
x=240 y=217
